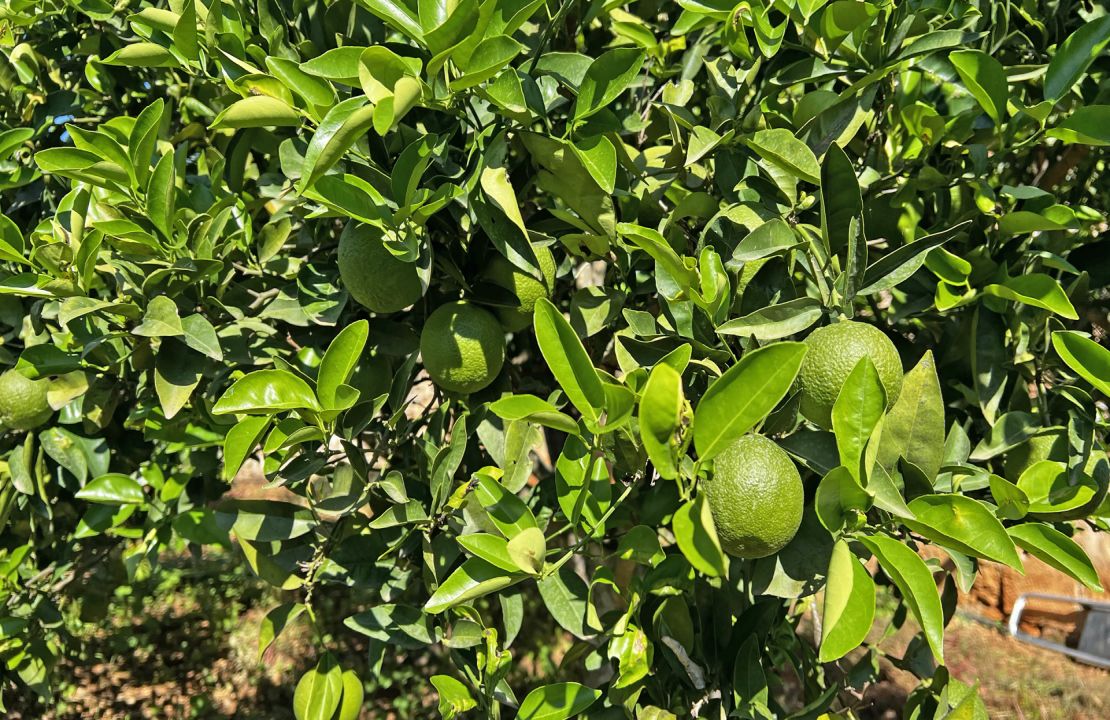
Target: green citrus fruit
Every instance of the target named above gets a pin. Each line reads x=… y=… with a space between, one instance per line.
x=756 y=497
x=373 y=275
x=526 y=288
x=833 y=353
x=463 y=347
x=23 y=403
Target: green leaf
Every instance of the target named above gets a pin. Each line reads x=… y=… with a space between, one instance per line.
x=494 y=549
x=533 y=409
x=744 y=395
x=473 y=579
x=841 y=201
x=1088 y=125
x=112 y=489
x=914 y=427
x=275 y=622
x=856 y=412
x=528 y=549
x=1072 y=58
x=241 y=441
x=1050 y=489
x=160 y=319
x=1086 y=357
x=161 y=195
x=344 y=123
x=697 y=537
x=401 y=625
x=396 y=14
x=569 y=362
x=899 y=264
x=185 y=31
x=985 y=79
x=775 y=322
x=915 y=581
x=340 y=360
x=1013 y=503
x=266 y=392
x=559 y=701
x=507 y=511
x=1036 y=289
x=566 y=597
x=770 y=238
x=599 y=157
x=143 y=137
x=489 y=57
x=454 y=697
x=607 y=77
x=201 y=336
x=257 y=111
x=965 y=525
x=142 y=54
x=1009 y=431
x=660 y=416
x=319 y=690
x=315 y=90
x=338 y=64
x=1056 y=549
x=353 y=696
x=849 y=606
x=988 y=361
x=176 y=375
x=780 y=148
x=838 y=494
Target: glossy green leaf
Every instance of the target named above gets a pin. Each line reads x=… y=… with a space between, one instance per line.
x=914 y=427
x=507 y=511
x=1074 y=56
x=276 y=620
x=744 y=395
x=964 y=524
x=849 y=605
x=660 y=416
x=319 y=690
x=339 y=361
x=533 y=409
x=454 y=697
x=839 y=499
x=344 y=124
x=257 y=111
x=914 y=580
x=1038 y=290
x=566 y=597
x=559 y=701
x=112 y=489
x=856 y=412
x=266 y=392
x=607 y=77
x=1088 y=125
x=161 y=319
x=473 y=579
x=780 y=148
x=569 y=362
x=697 y=537
x=775 y=322
x=1056 y=549
x=985 y=79
x=1090 y=360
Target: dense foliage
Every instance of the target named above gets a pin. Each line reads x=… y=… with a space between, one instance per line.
x=710 y=182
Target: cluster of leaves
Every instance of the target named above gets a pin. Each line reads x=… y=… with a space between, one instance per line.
x=714 y=180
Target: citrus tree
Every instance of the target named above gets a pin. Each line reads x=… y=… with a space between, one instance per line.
x=653 y=338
